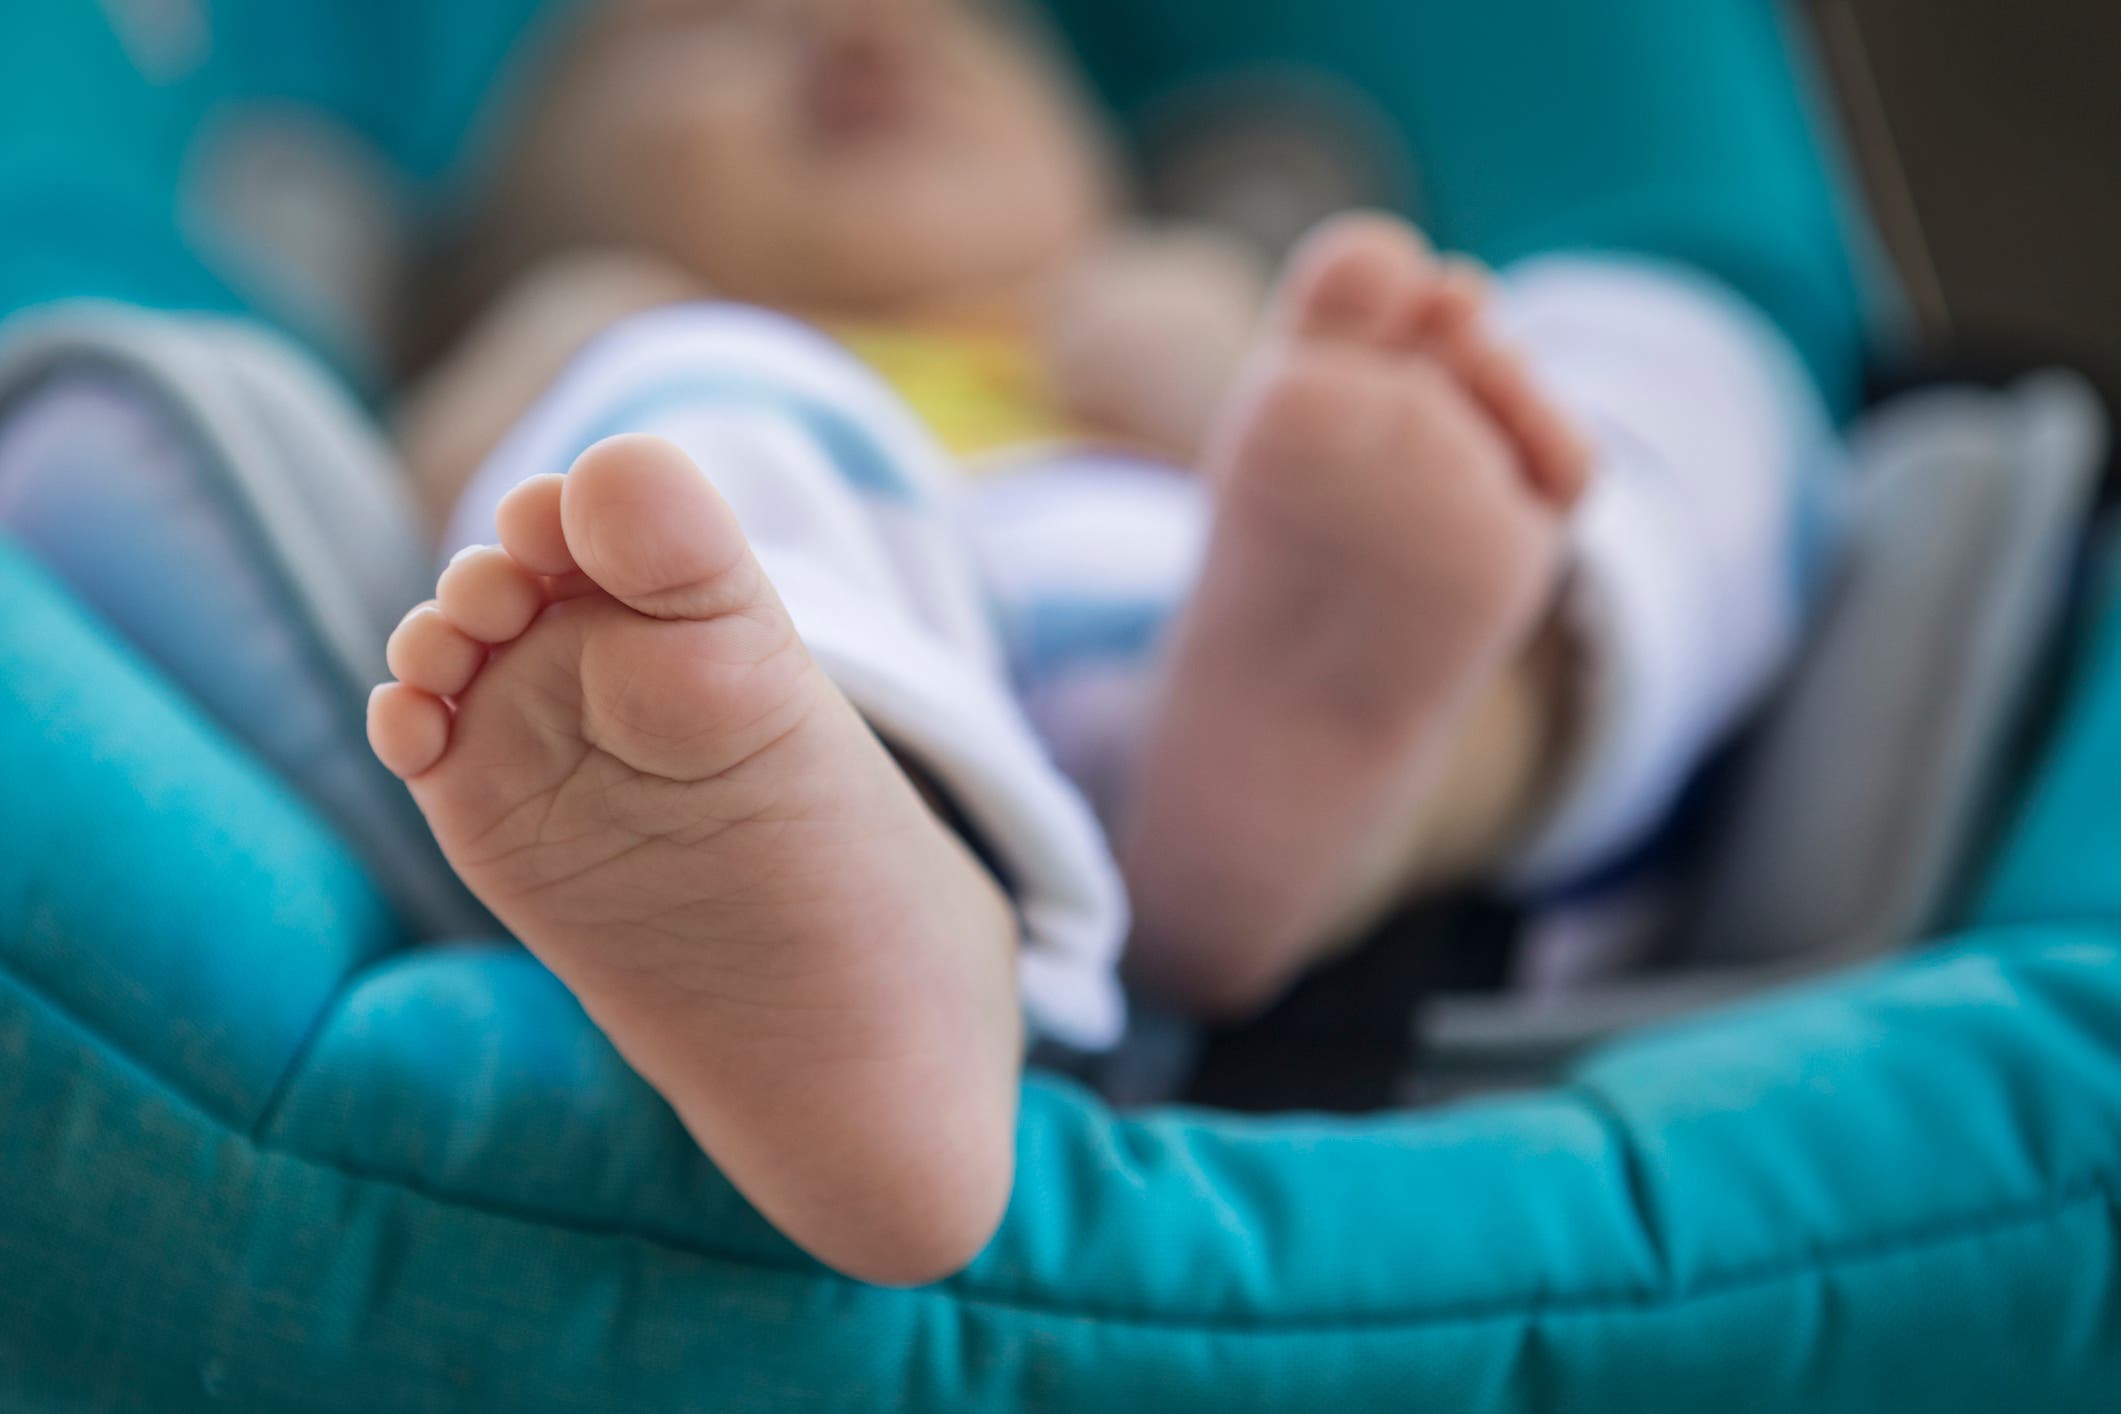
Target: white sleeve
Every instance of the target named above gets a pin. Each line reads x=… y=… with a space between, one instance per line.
x=1690 y=576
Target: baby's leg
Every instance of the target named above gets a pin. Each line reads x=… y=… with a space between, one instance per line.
x=1388 y=539
x=631 y=758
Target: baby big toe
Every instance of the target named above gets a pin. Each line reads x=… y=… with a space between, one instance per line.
x=648 y=527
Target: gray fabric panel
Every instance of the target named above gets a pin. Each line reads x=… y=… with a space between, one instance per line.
x=291 y=546
x=1859 y=795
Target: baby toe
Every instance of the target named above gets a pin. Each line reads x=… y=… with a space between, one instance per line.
x=1351 y=277
x=430 y=653
x=488 y=596
x=1556 y=458
x=528 y=521
x=1447 y=316
x=407 y=729
x=1562 y=457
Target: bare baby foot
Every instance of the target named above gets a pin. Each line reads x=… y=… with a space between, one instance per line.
x=1393 y=492
x=629 y=756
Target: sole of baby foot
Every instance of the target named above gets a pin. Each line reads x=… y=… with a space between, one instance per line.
x=628 y=755
x=1382 y=548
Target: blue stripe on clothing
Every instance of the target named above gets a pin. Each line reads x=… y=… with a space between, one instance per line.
x=1050 y=636
x=867 y=467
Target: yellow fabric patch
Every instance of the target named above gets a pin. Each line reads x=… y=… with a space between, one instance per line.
x=980 y=393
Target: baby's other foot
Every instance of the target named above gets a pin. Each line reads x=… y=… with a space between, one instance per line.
x=1393 y=493
x=628 y=755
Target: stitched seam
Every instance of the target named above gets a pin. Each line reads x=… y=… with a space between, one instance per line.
x=2096 y=1189
x=298 y=1059
x=1634 y=1175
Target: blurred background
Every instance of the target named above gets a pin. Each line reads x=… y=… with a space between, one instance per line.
x=1989 y=137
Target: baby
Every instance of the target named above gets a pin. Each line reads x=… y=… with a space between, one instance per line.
x=722 y=726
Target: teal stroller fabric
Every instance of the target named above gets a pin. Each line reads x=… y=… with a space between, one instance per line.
x=139 y=138
x=259 y=1157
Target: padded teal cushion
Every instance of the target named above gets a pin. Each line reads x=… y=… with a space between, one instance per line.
x=258 y=1156
x=1668 y=127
